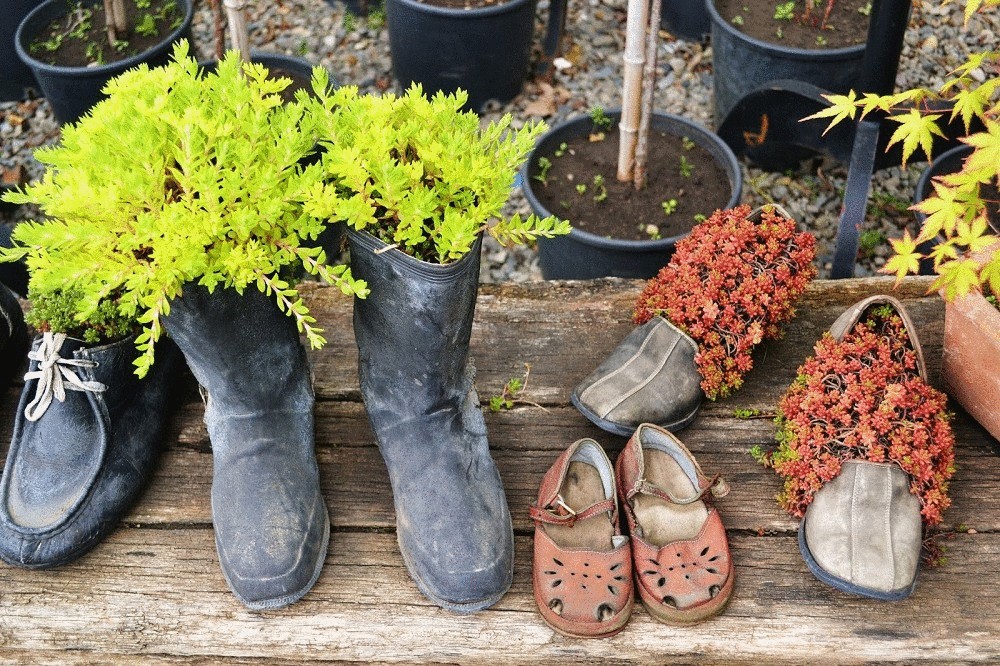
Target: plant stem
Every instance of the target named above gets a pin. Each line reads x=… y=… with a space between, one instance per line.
x=648 y=85
x=110 y=21
x=218 y=29
x=238 y=27
x=635 y=29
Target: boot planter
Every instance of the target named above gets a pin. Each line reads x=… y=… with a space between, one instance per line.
x=742 y=63
x=452 y=521
x=731 y=284
x=866 y=452
x=271 y=524
x=483 y=50
x=71 y=91
x=584 y=254
x=86 y=439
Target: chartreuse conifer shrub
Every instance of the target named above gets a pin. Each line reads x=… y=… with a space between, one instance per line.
x=963 y=206
x=419 y=173
x=179 y=176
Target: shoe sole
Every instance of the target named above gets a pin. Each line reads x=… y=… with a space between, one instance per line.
x=285 y=600
x=626 y=431
x=843 y=585
x=695 y=615
x=615 y=630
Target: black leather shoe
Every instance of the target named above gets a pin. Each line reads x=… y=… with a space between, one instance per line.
x=86 y=439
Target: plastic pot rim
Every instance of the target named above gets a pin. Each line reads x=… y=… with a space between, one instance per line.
x=460 y=12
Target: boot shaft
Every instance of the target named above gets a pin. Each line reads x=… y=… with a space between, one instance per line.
x=413 y=330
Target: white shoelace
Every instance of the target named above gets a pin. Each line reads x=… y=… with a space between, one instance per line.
x=55 y=375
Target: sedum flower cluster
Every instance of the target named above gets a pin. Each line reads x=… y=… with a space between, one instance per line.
x=863 y=399
x=731 y=284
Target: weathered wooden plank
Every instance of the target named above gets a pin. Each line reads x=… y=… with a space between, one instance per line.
x=159 y=592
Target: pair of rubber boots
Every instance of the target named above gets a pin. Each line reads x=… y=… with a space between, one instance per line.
x=75 y=468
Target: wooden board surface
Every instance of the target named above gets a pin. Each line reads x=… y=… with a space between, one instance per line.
x=154 y=589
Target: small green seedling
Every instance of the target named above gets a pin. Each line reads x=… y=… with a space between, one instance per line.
x=669 y=206
x=376 y=17
x=349 y=22
x=741 y=413
x=686 y=167
x=784 y=11
x=699 y=218
x=866 y=10
x=581 y=188
x=544 y=164
x=737 y=20
x=652 y=231
x=599 y=118
x=602 y=191
x=687 y=143
x=563 y=147
x=513 y=393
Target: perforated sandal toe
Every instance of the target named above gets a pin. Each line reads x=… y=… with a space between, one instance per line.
x=684 y=572
x=582 y=570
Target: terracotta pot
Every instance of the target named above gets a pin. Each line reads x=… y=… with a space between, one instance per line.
x=972 y=358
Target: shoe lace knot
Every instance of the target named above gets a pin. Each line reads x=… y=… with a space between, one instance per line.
x=55 y=375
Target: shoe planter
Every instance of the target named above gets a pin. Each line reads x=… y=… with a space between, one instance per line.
x=697 y=331
x=683 y=569
x=583 y=255
x=13 y=336
x=71 y=91
x=86 y=439
x=582 y=568
x=866 y=452
x=413 y=329
x=271 y=524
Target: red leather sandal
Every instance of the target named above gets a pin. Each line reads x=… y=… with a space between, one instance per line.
x=683 y=568
x=582 y=571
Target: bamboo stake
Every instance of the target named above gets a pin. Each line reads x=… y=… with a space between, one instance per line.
x=238 y=27
x=114 y=20
x=648 y=86
x=218 y=29
x=635 y=28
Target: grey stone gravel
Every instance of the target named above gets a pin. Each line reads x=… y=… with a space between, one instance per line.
x=356 y=51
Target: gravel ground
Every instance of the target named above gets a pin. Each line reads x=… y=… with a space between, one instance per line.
x=356 y=51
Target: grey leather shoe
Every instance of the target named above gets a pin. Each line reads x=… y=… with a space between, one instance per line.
x=271 y=524
x=862 y=533
x=85 y=442
x=650 y=377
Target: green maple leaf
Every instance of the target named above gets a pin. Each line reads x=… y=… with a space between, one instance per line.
x=990 y=272
x=986 y=156
x=958 y=278
x=915 y=130
x=973 y=103
x=906 y=259
x=841 y=107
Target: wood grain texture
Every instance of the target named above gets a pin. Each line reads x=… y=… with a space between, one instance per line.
x=154 y=589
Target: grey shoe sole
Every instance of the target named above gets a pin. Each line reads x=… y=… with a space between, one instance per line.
x=626 y=431
x=285 y=600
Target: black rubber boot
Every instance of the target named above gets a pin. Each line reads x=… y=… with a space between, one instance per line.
x=271 y=524
x=86 y=439
x=413 y=331
x=13 y=336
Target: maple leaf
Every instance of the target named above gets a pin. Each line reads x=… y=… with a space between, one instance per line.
x=958 y=278
x=906 y=258
x=973 y=103
x=986 y=155
x=990 y=272
x=841 y=107
x=943 y=210
x=915 y=129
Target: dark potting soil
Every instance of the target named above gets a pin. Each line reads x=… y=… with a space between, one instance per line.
x=80 y=38
x=626 y=213
x=803 y=26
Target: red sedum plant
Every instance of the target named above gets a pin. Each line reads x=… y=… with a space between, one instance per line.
x=731 y=284
x=863 y=399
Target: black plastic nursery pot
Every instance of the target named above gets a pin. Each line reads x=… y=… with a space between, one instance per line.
x=742 y=64
x=950 y=161
x=15 y=76
x=687 y=19
x=71 y=91
x=484 y=51
x=581 y=255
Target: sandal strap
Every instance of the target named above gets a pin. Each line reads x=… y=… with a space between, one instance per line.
x=568 y=517
x=717 y=485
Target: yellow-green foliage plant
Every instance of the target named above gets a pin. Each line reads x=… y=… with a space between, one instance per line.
x=179 y=176
x=957 y=212
x=419 y=173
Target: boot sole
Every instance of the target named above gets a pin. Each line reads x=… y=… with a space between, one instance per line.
x=626 y=431
x=279 y=602
x=456 y=607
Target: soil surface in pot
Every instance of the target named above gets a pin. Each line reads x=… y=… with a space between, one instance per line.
x=80 y=38
x=801 y=25
x=613 y=209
